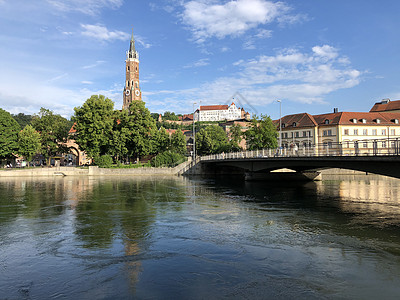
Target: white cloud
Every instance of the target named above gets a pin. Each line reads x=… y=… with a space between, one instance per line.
x=102 y=33
x=305 y=77
x=200 y=63
x=97 y=63
x=88 y=7
x=210 y=19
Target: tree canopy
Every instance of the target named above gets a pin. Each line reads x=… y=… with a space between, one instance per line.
x=23 y=119
x=94 y=122
x=9 y=129
x=261 y=134
x=53 y=130
x=29 y=142
x=211 y=140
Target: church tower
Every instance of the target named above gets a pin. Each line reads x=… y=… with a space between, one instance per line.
x=132 y=89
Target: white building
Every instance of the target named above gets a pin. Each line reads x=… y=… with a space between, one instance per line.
x=218 y=113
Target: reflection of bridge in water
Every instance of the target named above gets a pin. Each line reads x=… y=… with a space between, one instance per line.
x=382 y=157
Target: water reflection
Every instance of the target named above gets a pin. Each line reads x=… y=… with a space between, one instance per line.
x=150 y=237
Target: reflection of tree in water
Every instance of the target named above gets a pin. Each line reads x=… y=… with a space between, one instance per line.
x=31 y=198
x=125 y=209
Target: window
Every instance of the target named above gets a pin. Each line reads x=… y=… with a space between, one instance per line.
x=392 y=131
x=297 y=134
x=384 y=144
x=304 y=133
x=327 y=132
x=365 y=131
x=378 y=121
x=354 y=120
x=374 y=132
x=294 y=124
x=365 y=144
x=346 y=132
x=396 y=121
x=285 y=135
x=283 y=125
x=364 y=121
x=326 y=121
x=355 y=131
x=383 y=131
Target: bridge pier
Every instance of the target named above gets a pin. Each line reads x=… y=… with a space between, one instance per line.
x=283 y=176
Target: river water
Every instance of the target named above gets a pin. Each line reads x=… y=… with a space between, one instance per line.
x=180 y=238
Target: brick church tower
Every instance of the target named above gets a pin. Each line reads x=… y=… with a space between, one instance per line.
x=132 y=89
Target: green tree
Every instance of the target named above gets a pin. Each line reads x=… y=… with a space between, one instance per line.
x=23 y=119
x=9 y=129
x=94 y=122
x=211 y=140
x=170 y=116
x=29 y=142
x=178 y=142
x=120 y=135
x=261 y=134
x=142 y=130
x=235 y=135
x=161 y=140
x=53 y=131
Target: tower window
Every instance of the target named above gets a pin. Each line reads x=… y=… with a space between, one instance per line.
x=128 y=68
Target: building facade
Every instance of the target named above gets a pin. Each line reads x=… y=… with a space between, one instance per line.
x=132 y=90
x=349 y=132
x=212 y=113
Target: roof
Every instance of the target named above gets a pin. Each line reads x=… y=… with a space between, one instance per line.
x=386 y=105
x=339 y=118
x=72 y=130
x=301 y=120
x=214 y=107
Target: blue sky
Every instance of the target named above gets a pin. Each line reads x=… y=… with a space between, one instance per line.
x=313 y=55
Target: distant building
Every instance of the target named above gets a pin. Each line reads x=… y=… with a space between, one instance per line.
x=353 y=130
x=211 y=113
x=244 y=126
x=386 y=106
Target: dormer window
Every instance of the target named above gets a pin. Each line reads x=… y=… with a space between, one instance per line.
x=294 y=124
x=378 y=121
x=326 y=121
x=396 y=121
x=283 y=125
x=354 y=120
x=364 y=121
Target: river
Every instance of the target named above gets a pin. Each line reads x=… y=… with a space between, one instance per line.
x=181 y=238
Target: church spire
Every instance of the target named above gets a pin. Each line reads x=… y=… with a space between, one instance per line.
x=132 y=51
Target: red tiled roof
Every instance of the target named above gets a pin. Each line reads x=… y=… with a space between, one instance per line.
x=214 y=107
x=339 y=118
x=72 y=130
x=386 y=106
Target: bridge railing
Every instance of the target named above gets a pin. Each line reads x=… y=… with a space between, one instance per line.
x=375 y=147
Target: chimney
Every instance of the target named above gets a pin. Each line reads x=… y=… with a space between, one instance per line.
x=335 y=110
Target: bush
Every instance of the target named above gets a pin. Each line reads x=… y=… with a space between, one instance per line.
x=104 y=161
x=167 y=159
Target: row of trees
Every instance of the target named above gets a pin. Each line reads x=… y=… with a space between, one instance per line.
x=125 y=134
x=261 y=134
x=101 y=130
x=43 y=133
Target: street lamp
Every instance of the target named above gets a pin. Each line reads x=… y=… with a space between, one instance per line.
x=194 y=134
x=280 y=123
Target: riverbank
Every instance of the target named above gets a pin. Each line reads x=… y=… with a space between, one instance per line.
x=94 y=171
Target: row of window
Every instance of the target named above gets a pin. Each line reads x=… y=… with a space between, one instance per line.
x=373 y=132
x=296 y=134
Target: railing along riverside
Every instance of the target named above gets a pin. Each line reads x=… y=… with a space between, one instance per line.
x=377 y=147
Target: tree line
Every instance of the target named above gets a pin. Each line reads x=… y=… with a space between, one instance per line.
x=107 y=134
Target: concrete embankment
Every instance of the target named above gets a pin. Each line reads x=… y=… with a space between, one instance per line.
x=95 y=171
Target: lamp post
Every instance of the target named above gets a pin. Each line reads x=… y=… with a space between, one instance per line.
x=194 y=134
x=280 y=123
